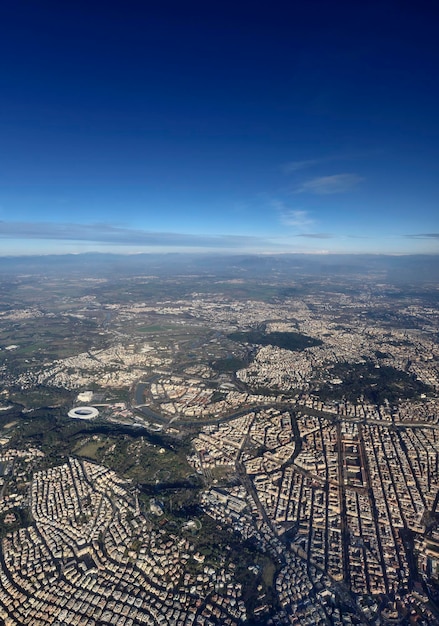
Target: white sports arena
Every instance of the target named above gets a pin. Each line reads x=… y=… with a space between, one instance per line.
x=83 y=412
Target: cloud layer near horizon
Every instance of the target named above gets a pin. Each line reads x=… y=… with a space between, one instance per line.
x=117 y=235
x=102 y=235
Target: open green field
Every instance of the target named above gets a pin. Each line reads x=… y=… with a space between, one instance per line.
x=43 y=396
x=157 y=328
x=42 y=339
x=268 y=573
x=89 y=450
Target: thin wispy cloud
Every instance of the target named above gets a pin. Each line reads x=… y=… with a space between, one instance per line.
x=295 y=218
x=300 y=164
x=326 y=185
x=115 y=235
x=316 y=235
x=424 y=236
x=295 y=166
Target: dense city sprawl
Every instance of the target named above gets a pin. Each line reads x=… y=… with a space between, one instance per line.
x=309 y=425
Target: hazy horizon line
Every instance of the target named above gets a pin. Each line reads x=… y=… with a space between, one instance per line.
x=217 y=253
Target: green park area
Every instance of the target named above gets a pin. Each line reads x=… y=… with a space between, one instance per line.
x=375 y=384
x=287 y=340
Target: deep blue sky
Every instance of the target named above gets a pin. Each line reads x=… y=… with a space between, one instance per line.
x=275 y=126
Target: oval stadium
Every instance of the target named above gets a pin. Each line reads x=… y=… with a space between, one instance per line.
x=83 y=412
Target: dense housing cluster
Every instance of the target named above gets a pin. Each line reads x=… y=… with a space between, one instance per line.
x=342 y=502
x=90 y=557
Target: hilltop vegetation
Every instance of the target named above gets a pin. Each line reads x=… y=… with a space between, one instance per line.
x=375 y=385
x=287 y=340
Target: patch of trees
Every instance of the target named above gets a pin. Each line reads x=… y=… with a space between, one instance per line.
x=375 y=384
x=287 y=340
